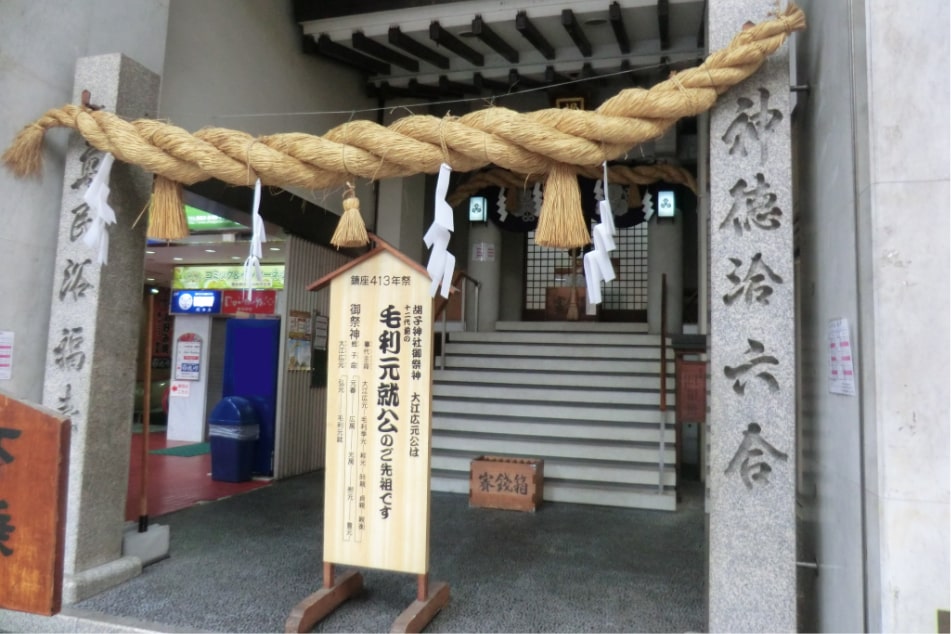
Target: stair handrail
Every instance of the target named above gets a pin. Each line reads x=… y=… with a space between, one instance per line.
x=441 y=309
x=663 y=342
x=663 y=382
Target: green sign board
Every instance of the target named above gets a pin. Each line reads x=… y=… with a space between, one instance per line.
x=200 y=220
x=224 y=276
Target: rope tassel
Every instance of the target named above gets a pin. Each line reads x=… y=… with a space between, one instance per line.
x=167 y=216
x=561 y=222
x=351 y=231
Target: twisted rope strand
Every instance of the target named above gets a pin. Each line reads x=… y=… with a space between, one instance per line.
x=529 y=143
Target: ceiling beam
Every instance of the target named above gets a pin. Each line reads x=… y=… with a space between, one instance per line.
x=426 y=91
x=371 y=47
x=521 y=81
x=617 y=25
x=663 y=23
x=484 y=83
x=552 y=76
x=450 y=86
x=571 y=24
x=399 y=39
x=340 y=53
x=443 y=37
x=491 y=39
x=531 y=33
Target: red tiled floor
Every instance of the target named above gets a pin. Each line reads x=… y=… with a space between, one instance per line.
x=175 y=482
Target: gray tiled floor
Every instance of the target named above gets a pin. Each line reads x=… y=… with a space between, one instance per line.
x=241 y=564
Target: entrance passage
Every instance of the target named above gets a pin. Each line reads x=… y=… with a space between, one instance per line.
x=551 y=273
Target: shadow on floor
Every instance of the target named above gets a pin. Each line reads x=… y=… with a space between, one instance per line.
x=241 y=564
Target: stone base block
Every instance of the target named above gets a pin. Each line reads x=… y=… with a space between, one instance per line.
x=149 y=547
x=91 y=582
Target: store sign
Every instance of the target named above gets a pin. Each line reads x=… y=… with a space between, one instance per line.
x=379 y=407
x=201 y=221
x=188 y=357
x=225 y=276
x=257 y=303
x=195 y=303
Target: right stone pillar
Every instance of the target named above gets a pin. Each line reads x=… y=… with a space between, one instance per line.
x=752 y=470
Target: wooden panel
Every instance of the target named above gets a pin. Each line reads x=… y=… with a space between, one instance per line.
x=379 y=392
x=691 y=391
x=506 y=483
x=34 y=456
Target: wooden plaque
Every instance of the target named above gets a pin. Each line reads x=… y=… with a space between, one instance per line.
x=691 y=391
x=379 y=403
x=34 y=457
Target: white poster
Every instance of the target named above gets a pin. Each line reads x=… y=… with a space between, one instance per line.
x=180 y=389
x=6 y=355
x=188 y=358
x=841 y=370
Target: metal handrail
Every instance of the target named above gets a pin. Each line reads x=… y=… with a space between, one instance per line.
x=663 y=382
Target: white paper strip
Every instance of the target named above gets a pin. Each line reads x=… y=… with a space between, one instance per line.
x=441 y=265
x=103 y=215
x=252 y=265
x=592 y=276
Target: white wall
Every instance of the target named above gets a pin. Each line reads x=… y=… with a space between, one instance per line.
x=238 y=64
x=874 y=202
x=40 y=41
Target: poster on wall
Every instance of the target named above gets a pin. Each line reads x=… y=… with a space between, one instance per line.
x=188 y=357
x=841 y=369
x=6 y=355
x=299 y=340
x=318 y=375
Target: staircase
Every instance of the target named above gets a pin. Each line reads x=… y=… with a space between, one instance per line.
x=582 y=396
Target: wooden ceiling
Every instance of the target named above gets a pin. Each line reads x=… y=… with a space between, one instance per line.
x=452 y=49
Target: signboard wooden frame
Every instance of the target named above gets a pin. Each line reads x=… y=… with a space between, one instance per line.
x=379 y=410
x=34 y=468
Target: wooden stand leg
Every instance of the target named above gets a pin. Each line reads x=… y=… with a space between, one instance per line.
x=314 y=608
x=429 y=601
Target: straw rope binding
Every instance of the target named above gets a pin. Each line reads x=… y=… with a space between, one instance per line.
x=527 y=143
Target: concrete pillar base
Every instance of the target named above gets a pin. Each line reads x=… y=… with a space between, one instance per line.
x=99 y=579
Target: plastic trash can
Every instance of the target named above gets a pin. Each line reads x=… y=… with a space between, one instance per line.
x=233 y=436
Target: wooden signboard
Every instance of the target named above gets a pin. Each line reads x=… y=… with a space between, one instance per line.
x=378 y=417
x=34 y=456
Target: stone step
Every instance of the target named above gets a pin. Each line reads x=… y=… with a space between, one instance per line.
x=546 y=428
x=534 y=447
x=545 y=350
x=551 y=364
x=570 y=326
x=564 y=469
x=553 y=379
x=601 y=494
x=558 y=338
x=544 y=394
x=580 y=414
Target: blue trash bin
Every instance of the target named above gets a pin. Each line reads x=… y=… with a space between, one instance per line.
x=233 y=431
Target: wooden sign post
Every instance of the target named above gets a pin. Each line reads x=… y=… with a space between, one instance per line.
x=34 y=461
x=379 y=406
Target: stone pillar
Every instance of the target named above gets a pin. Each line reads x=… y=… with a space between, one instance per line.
x=665 y=256
x=93 y=334
x=485 y=265
x=752 y=536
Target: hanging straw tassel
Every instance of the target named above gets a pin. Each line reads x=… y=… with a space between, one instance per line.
x=167 y=216
x=561 y=223
x=24 y=157
x=351 y=230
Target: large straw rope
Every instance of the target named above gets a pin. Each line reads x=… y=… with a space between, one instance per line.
x=555 y=142
x=527 y=143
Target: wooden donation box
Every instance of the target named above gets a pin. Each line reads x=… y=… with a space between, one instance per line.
x=506 y=483
x=34 y=458
x=379 y=404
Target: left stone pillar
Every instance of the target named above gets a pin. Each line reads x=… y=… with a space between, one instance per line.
x=94 y=331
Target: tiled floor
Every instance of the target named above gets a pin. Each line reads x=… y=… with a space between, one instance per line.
x=175 y=482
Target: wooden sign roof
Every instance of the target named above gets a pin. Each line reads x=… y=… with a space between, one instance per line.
x=379 y=246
